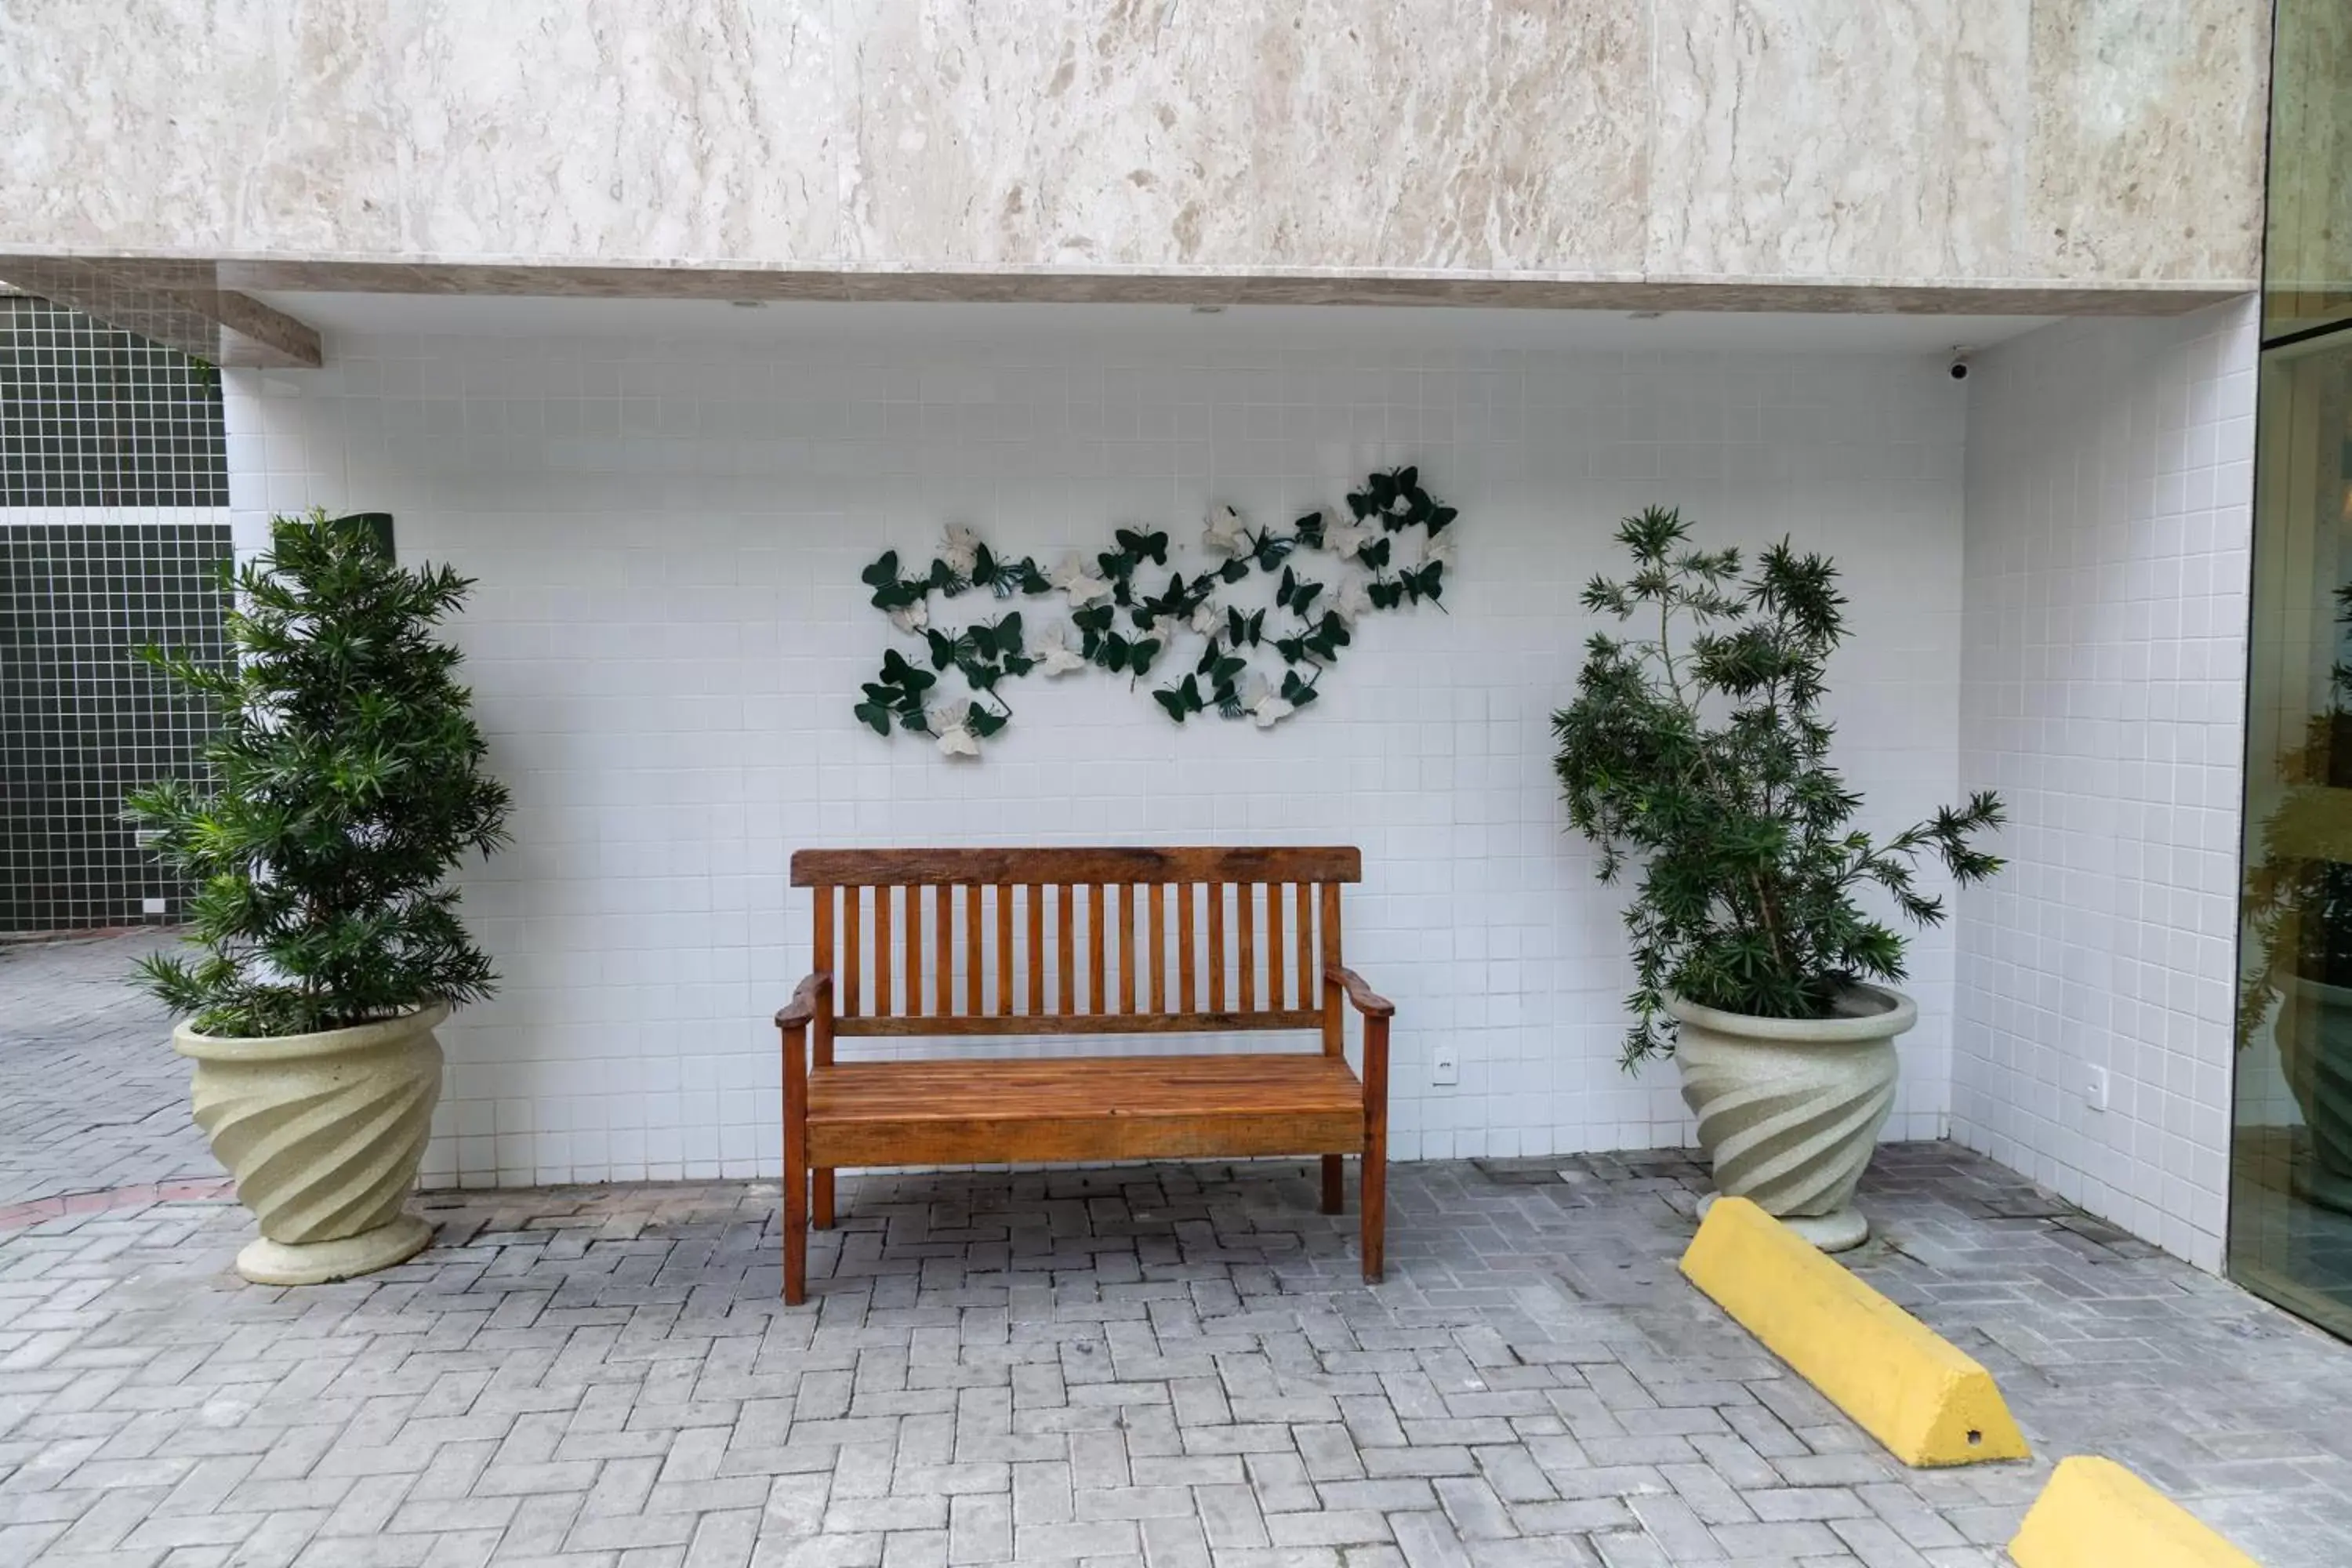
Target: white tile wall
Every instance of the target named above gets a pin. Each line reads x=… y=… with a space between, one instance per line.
x=668 y=634
x=2109 y=497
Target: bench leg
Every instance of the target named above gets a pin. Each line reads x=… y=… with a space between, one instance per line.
x=796 y=1173
x=821 y=1199
x=1335 y=1183
x=795 y=1241
x=1375 y=1197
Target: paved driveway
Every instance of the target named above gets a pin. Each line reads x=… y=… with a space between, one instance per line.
x=92 y=1096
x=1171 y=1366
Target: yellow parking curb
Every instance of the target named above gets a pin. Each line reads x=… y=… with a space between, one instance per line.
x=2095 y=1512
x=1903 y=1384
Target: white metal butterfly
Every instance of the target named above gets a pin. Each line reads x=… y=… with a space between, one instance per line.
x=1344 y=539
x=1078 y=581
x=960 y=549
x=1053 y=654
x=1265 y=705
x=1223 y=533
x=949 y=723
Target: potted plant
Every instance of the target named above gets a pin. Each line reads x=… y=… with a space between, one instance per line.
x=345 y=781
x=1699 y=754
x=2298 y=911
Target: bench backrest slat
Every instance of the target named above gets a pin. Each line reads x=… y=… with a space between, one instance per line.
x=1219 y=925
x=1036 y=950
x=1306 y=913
x=1253 y=929
x=1277 y=952
x=1004 y=952
x=912 y=954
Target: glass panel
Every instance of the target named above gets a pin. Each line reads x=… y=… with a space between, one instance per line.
x=2291 y=1192
x=2307 y=262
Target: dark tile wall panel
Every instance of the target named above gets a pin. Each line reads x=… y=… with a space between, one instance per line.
x=90 y=415
x=82 y=722
x=98 y=420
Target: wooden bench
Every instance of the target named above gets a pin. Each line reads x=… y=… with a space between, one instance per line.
x=993 y=942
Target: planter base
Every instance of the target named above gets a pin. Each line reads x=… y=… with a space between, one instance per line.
x=1790 y=1109
x=1840 y=1230
x=323 y=1132
x=2329 y=1189
x=267 y=1262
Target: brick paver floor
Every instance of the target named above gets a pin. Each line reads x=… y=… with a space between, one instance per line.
x=92 y=1096
x=1157 y=1365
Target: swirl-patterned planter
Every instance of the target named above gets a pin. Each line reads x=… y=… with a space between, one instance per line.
x=1790 y=1109
x=2315 y=1052
x=323 y=1133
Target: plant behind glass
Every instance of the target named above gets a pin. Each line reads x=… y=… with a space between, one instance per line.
x=2297 y=903
x=348 y=780
x=1700 y=753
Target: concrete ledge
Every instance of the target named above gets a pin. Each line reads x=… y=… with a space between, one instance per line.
x=1901 y=1382
x=180 y=304
x=2095 y=1512
x=200 y=277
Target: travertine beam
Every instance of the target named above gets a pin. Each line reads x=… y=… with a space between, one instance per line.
x=1963 y=144
x=180 y=304
x=1235 y=286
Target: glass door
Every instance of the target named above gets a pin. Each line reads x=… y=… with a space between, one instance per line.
x=2291 y=1151
x=2291 y=1203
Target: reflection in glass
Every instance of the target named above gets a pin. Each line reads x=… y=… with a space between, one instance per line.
x=2308 y=244
x=2291 y=1196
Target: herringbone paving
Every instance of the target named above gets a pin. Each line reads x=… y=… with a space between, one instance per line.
x=1165 y=1364
x=91 y=1095
x=1156 y=1365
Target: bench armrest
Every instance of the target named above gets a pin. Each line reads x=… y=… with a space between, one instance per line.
x=1369 y=1001
x=801 y=1010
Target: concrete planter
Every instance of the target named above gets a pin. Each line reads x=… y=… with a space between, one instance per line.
x=1790 y=1109
x=2315 y=1053
x=323 y=1133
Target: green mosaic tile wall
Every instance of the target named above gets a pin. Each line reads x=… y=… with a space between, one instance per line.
x=98 y=420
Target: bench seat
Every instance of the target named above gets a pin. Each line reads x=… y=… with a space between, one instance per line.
x=996 y=1111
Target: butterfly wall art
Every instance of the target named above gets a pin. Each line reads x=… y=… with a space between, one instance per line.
x=1131 y=611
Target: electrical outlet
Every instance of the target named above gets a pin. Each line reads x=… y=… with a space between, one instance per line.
x=151 y=906
x=2094 y=1087
x=1446 y=1066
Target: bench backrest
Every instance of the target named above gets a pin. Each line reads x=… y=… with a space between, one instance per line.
x=1044 y=941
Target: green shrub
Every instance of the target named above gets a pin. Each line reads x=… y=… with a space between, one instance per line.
x=1700 y=753
x=346 y=780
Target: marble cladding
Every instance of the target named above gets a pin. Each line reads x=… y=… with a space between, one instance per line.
x=1968 y=142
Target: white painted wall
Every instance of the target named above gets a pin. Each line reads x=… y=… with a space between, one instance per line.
x=2109 y=513
x=668 y=634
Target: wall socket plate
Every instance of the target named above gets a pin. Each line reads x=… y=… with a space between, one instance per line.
x=151 y=906
x=1445 y=1065
x=2094 y=1087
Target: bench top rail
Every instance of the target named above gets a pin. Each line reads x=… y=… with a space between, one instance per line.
x=930 y=868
